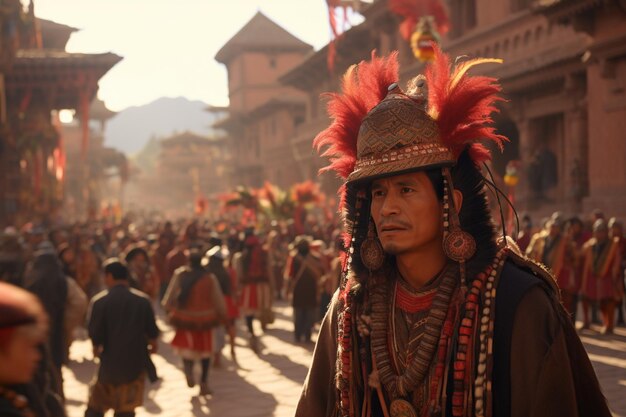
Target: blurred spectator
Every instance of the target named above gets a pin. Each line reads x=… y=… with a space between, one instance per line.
x=302 y=275
x=195 y=306
x=45 y=278
x=23 y=328
x=121 y=328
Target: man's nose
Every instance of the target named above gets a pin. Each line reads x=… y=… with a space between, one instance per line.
x=390 y=205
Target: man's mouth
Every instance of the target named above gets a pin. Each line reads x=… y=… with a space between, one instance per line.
x=392 y=228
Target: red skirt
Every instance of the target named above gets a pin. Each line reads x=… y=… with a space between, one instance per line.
x=232 y=310
x=607 y=289
x=589 y=289
x=200 y=341
x=255 y=297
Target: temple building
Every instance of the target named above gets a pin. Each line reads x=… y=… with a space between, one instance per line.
x=187 y=168
x=40 y=79
x=563 y=78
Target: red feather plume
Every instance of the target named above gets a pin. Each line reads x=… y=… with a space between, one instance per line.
x=363 y=87
x=462 y=105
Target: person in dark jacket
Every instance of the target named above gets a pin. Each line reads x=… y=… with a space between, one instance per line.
x=46 y=279
x=121 y=326
x=302 y=276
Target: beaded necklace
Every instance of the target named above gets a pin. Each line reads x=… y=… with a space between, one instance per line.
x=18 y=401
x=399 y=386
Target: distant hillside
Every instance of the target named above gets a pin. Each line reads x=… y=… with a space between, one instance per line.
x=130 y=130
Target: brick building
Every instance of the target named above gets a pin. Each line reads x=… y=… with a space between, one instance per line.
x=263 y=113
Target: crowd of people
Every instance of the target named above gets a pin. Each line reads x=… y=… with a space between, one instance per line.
x=115 y=279
x=202 y=277
x=587 y=258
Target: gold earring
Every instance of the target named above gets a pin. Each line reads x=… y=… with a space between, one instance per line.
x=458 y=245
x=372 y=254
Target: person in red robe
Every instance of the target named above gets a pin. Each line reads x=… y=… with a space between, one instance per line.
x=195 y=306
x=616 y=231
x=601 y=274
x=554 y=249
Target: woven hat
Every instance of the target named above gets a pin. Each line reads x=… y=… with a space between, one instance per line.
x=378 y=129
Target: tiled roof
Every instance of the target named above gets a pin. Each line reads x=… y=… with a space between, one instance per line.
x=185 y=138
x=45 y=57
x=260 y=33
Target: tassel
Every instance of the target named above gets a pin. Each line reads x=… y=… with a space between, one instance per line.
x=373 y=380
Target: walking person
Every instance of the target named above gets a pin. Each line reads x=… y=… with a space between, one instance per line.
x=45 y=278
x=253 y=274
x=601 y=274
x=195 y=306
x=121 y=326
x=142 y=278
x=302 y=276
x=617 y=234
x=214 y=259
x=554 y=248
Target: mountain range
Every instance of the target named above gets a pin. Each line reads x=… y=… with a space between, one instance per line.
x=131 y=129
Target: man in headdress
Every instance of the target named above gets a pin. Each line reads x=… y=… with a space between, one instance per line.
x=416 y=328
x=554 y=249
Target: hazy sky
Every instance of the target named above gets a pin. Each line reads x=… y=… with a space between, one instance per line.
x=168 y=45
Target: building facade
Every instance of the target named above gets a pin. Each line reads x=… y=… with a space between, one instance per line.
x=39 y=79
x=564 y=85
x=262 y=112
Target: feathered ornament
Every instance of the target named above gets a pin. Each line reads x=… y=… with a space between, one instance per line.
x=246 y=198
x=303 y=195
x=306 y=192
x=462 y=105
x=276 y=203
x=363 y=87
x=412 y=10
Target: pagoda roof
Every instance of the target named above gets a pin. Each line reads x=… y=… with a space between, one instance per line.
x=99 y=110
x=186 y=137
x=64 y=73
x=260 y=33
x=55 y=35
x=47 y=57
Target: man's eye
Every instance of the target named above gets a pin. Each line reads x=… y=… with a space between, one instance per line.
x=378 y=193
x=405 y=190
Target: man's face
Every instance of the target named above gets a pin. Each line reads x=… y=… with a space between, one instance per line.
x=139 y=263
x=407 y=213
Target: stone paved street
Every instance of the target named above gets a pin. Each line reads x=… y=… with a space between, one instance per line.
x=269 y=384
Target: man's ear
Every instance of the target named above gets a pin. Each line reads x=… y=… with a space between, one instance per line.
x=458 y=200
